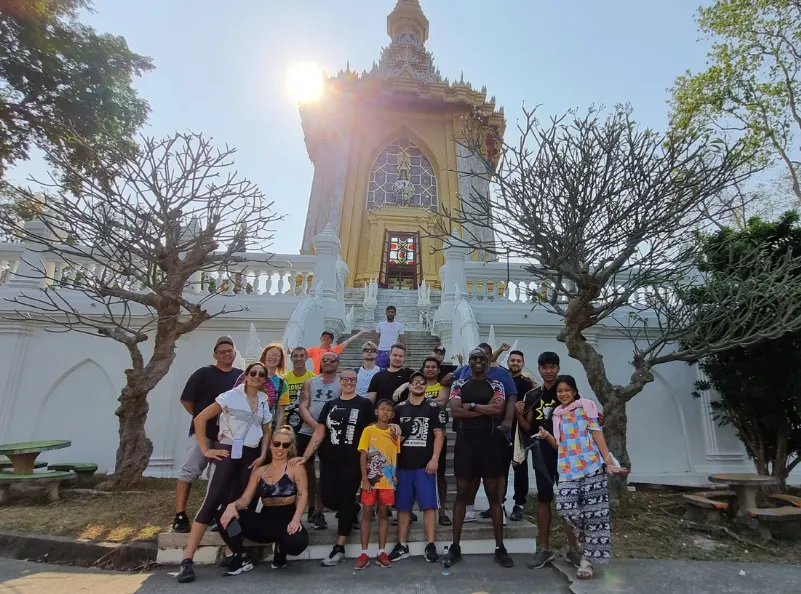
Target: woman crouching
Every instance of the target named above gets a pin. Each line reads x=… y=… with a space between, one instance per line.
x=582 y=496
x=283 y=494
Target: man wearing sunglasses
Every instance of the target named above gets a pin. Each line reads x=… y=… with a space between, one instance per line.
x=317 y=392
x=202 y=387
x=368 y=369
x=327 y=346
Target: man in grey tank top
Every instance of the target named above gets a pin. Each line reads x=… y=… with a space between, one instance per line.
x=317 y=391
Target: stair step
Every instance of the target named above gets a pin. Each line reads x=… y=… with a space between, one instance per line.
x=477 y=538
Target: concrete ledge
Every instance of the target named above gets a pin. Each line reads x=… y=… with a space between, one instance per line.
x=477 y=539
x=84 y=553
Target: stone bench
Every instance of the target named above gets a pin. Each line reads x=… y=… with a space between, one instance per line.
x=777 y=521
x=783 y=498
x=5 y=465
x=83 y=470
x=701 y=507
x=49 y=480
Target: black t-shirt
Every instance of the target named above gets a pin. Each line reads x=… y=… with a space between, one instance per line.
x=203 y=387
x=445 y=369
x=523 y=385
x=543 y=401
x=344 y=421
x=480 y=392
x=385 y=382
x=417 y=423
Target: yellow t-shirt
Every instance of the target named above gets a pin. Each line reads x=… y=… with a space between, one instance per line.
x=382 y=449
x=431 y=391
x=291 y=399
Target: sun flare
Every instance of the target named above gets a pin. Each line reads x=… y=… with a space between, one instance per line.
x=305 y=82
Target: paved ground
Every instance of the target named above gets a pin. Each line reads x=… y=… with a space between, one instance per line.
x=477 y=575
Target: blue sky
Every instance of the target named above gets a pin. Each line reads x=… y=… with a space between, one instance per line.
x=221 y=67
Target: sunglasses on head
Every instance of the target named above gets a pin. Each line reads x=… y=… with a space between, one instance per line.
x=282 y=444
x=257 y=374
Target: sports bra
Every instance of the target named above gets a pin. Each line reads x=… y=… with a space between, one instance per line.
x=284 y=487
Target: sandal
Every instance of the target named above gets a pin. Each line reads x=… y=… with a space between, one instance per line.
x=444 y=520
x=585 y=571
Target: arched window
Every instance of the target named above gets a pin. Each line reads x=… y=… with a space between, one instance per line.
x=402 y=176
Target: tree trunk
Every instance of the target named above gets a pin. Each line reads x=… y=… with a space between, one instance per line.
x=615 y=428
x=134 y=449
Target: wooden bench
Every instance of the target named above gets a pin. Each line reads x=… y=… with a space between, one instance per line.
x=83 y=470
x=6 y=466
x=49 y=480
x=783 y=498
x=701 y=508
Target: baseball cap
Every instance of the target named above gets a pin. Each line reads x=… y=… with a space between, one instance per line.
x=416 y=374
x=223 y=340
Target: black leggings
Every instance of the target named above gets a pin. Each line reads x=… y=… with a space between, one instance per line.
x=269 y=525
x=228 y=481
x=339 y=484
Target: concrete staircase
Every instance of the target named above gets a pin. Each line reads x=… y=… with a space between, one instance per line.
x=419 y=345
x=404 y=300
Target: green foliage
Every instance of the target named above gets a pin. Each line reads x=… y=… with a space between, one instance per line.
x=60 y=80
x=751 y=85
x=758 y=386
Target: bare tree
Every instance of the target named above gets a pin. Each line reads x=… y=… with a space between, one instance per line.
x=606 y=215
x=135 y=237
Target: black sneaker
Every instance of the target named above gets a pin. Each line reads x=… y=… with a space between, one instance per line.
x=454 y=555
x=502 y=558
x=431 y=555
x=399 y=552
x=239 y=564
x=181 y=523
x=279 y=559
x=225 y=561
x=485 y=515
x=310 y=515
x=319 y=521
x=517 y=514
x=541 y=558
x=187 y=572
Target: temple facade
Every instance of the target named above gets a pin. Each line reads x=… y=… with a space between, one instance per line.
x=390 y=158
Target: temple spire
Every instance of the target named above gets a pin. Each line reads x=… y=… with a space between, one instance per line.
x=406 y=55
x=408 y=17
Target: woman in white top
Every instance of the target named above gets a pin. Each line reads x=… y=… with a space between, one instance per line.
x=244 y=418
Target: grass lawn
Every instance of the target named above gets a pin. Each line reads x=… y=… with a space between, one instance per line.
x=649 y=526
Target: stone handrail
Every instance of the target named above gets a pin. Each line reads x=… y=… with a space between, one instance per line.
x=465 y=335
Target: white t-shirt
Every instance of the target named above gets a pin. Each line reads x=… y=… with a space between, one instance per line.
x=363 y=377
x=389 y=332
x=237 y=415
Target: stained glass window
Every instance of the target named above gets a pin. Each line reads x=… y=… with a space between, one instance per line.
x=402 y=176
x=401 y=250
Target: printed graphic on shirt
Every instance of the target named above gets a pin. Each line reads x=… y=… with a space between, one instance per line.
x=382 y=448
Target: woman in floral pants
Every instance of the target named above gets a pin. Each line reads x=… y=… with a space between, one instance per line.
x=582 y=496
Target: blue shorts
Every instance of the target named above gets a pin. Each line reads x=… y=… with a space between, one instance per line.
x=416 y=484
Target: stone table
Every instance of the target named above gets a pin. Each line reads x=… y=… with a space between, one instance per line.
x=745 y=486
x=23 y=455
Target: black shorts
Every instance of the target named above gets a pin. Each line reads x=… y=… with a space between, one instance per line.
x=480 y=455
x=546 y=484
x=302 y=442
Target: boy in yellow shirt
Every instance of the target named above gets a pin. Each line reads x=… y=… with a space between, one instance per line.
x=379 y=447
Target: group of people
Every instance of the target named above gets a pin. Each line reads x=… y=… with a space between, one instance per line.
x=380 y=435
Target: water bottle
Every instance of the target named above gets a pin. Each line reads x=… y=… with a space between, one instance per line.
x=446 y=560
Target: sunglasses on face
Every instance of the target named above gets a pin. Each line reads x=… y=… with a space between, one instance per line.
x=369 y=351
x=348 y=380
x=329 y=360
x=257 y=374
x=225 y=352
x=282 y=444
x=418 y=382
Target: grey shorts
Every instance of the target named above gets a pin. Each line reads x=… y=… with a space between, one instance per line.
x=194 y=461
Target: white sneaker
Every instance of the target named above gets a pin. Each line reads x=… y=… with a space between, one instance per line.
x=470 y=515
x=335 y=558
x=505 y=515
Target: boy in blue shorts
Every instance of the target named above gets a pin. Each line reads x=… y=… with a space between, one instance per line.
x=422 y=423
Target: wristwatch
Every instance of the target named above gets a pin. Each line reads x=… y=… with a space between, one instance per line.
x=472 y=405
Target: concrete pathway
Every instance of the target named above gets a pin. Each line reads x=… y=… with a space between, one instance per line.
x=476 y=575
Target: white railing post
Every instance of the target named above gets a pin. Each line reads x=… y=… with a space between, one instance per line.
x=30 y=271
x=327 y=246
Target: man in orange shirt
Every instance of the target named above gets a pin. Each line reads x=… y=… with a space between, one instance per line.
x=326 y=338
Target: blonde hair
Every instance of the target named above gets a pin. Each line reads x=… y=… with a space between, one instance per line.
x=281 y=369
x=369 y=344
x=287 y=430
